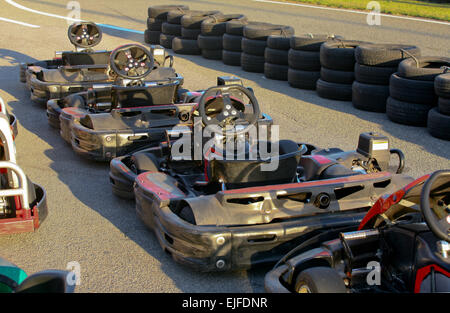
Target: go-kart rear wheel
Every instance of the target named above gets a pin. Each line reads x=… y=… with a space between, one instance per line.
x=187 y=215
x=320 y=280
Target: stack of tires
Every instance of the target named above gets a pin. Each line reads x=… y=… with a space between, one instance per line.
x=210 y=40
x=157 y=15
x=304 y=59
x=337 y=59
x=439 y=117
x=254 y=44
x=411 y=89
x=173 y=26
x=232 y=42
x=375 y=63
x=190 y=30
x=276 y=57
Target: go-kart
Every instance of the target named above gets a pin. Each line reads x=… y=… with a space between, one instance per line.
x=14 y=280
x=402 y=245
x=74 y=71
x=23 y=205
x=10 y=117
x=226 y=210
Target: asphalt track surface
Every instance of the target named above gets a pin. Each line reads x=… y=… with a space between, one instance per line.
x=87 y=224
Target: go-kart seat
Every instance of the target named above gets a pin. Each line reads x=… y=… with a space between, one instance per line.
x=244 y=173
x=85 y=58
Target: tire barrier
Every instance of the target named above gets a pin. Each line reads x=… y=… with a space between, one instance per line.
x=157 y=16
x=439 y=117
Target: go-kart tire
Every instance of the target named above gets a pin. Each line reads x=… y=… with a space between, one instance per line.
x=414 y=114
x=161 y=11
x=236 y=27
x=152 y=37
x=311 y=42
x=426 y=68
x=327 y=90
x=279 y=42
x=194 y=19
x=438 y=124
x=175 y=16
x=154 y=24
x=166 y=40
x=320 y=280
x=171 y=29
x=373 y=75
x=232 y=58
x=442 y=85
x=212 y=54
x=304 y=60
x=210 y=42
x=232 y=42
x=385 y=55
x=144 y=162
x=190 y=33
x=414 y=91
x=252 y=63
x=444 y=105
x=22 y=75
x=217 y=26
x=185 y=46
x=187 y=215
x=339 y=77
x=253 y=47
x=276 y=71
x=370 y=97
x=276 y=56
x=303 y=79
x=260 y=31
x=339 y=55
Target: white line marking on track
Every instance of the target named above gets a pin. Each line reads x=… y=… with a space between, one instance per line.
x=354 y=11
x=18 y=22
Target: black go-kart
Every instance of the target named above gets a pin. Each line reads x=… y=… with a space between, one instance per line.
x=218 y=214
x=23 y=204
x=74 y=71
x=401 y=246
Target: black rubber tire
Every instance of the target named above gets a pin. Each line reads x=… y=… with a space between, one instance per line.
x=427 y=68
x=341 y=92
x=194 y=19
x=438 y=124
x=210 y=42
x=388 y=55
x=276 y=56
x=171 y=29
x=154 y=24
x=276 y=71
x=303 y=79
x=252 y=63
x=166 y=40
x=161 y=11
x=406 y=113
x=152 y=37
x=370 y=97
x=212 y=54
x=232 y=58
x=304 y=60
x=260 y=31
x=339 y=77
x=279 y=42
x=339 y=55
x=254 y=47
x=320 y=280
x=187 y=33
x=236 y=27
x=373 y=75
x=187 y=215
x=311 y=42
x=185 y=46
x=414 y=91
x=217 y=26
x=174 y=16
x=444 y=105
x=145 y=162
x=232 y=42
x=442 y=85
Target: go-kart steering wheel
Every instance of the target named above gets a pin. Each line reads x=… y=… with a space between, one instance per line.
x=439 y=198
x=229 y=114
x=84 y=34
x=131 y=61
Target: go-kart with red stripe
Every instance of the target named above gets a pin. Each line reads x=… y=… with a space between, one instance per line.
x=218 y=214
x=402 y=245
x=23 y=205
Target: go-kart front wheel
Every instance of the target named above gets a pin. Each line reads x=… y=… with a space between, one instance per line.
x=320 y=280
